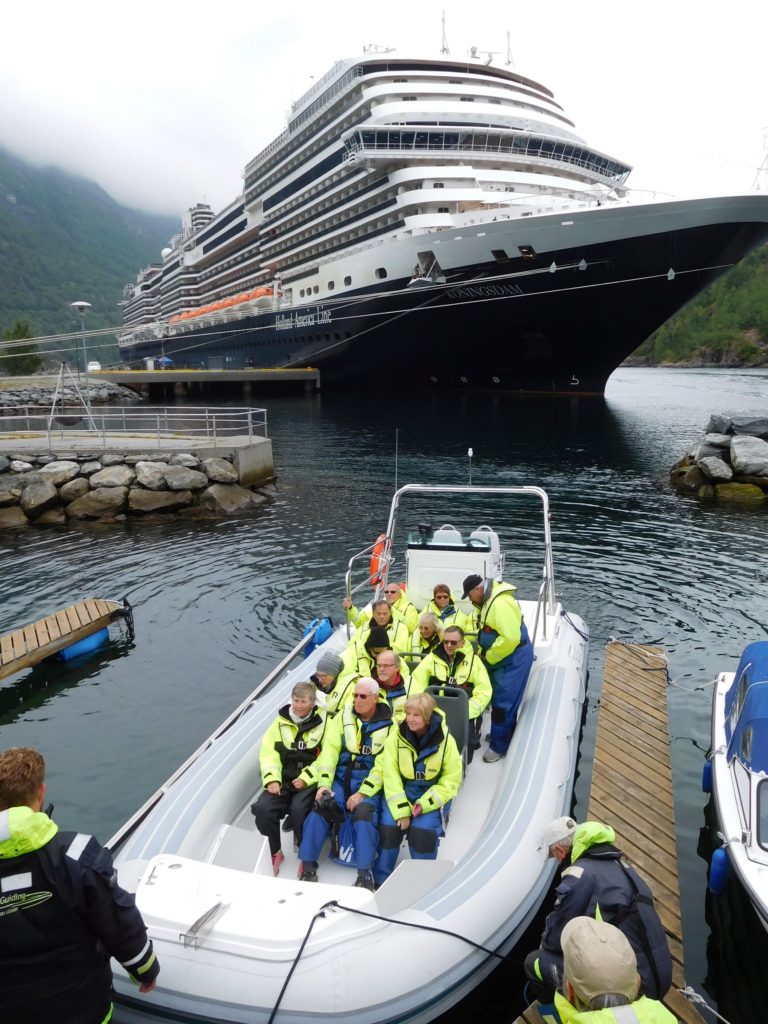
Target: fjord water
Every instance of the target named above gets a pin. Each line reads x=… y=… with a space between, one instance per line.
x=217 y=603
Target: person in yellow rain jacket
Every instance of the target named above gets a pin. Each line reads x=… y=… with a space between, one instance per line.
x=455 y=663
x=422 y=775
x=287 y=758
x=601 y=983
x=443 y=605
x=402 y=607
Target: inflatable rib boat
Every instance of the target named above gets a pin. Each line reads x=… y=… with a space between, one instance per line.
x=237 y=944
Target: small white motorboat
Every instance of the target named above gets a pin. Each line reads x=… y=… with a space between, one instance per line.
x=737 y=774
x=237 y=944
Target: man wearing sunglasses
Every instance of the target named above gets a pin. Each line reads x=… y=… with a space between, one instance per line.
x=403 y=609
x=455 y=663
x=350 y=778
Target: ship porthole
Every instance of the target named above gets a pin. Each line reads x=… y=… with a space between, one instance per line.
x=495 y=380
x=433 y=380
x=463 y=380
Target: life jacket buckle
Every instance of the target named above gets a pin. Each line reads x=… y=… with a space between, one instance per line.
x=420 y=776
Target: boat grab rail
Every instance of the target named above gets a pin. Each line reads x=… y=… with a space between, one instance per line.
x=349 y=590
x=136 y=819
x=547 y=593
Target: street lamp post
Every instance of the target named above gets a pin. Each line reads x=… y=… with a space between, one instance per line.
x=82 y=308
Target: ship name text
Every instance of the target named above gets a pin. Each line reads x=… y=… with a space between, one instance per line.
x=290 y=321
x=484 y=291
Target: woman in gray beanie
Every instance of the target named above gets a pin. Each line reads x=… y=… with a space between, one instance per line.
x=327 y=671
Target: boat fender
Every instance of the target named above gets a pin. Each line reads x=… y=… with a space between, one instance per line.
x=719 y=871
x=323 y=631
x=706 y=777
x=84 y=646
x=378 y=562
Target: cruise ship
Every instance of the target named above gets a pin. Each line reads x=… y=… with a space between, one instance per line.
x=433 y=223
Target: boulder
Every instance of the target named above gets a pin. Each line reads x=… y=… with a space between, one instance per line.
x=140 y=500
x=45 y=460
x=151 y=475
x=225 y=498
x=89 y=468
x=756 y=426
x=707 y=491
x=74 y=489
x=113 y=476
x=692 y=479
x=739 y=492
x=38 y=497
x=719 y=425
x=707 y=451
x=190 y=461
x=745 y=478
x=5 y=464
x=52 y=517
x=219 y=470
x=749 y=455
x=59 y=472
x=718 y=440
x=180 y=478
x=12 y=517
x=104 y=501
x=10 y=491
x=112 y=459
x=20 y=466
x=715 y=469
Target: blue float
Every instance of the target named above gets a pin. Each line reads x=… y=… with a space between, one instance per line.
x=323 y=632
x=719 y=871
x=84 y=646
x=706 y=777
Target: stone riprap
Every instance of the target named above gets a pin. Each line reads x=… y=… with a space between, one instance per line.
x=16 y=401
x=111 y=486
x=729 y=464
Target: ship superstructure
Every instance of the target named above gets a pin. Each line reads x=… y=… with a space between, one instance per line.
x=421 y=205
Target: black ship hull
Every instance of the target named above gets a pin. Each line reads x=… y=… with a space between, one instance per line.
x=556 y=321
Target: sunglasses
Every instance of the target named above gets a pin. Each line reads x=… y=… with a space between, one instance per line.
x=451 y=643
x=363 y=696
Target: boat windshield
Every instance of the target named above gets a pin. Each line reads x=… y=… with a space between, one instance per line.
x=762 y=814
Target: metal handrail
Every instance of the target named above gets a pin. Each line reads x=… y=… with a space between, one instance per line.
x=349 y=590
x=135 y=820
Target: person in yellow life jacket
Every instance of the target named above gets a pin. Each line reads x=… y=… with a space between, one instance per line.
x=601 y=983
x=350 y=779
x=360 y=661
x=396 y=684
x=399 y=639
x=428 y=635
x=402 y=607
x=63 y=913
x=455 y=662
x=422 y=775
x=443 y=605
x=332 y=690
x=287 y=758
x=507 y=651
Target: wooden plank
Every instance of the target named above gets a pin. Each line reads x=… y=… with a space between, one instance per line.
x=30 y=638
x=63 y=621
x=42 y=633
x=72 y=618
x=81 y=610
x=6 y=650
x=52 y=626
x=93 y=608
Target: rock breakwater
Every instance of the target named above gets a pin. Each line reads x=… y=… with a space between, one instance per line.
x=112 y=486
x=14 y=401
x=730 y=463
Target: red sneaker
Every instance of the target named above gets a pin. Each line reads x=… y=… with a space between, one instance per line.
x=277 y=860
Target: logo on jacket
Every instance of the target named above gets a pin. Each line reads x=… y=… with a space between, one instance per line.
x=22 y=901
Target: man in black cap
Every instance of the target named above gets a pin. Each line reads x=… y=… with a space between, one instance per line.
x=507 y=651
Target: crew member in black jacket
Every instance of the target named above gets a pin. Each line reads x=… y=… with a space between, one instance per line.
x=62 y=913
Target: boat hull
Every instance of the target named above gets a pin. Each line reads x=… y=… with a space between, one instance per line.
x=592 y=288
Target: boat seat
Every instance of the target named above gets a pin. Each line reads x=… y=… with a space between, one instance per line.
x=454 y=703
x=237 y=848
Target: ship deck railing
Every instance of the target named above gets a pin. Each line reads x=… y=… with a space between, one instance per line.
x=205 y=425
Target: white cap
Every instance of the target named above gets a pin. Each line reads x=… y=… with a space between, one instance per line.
x=558 y=831
x=598 y=960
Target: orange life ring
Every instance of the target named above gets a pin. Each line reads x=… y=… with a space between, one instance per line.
x=378 y=562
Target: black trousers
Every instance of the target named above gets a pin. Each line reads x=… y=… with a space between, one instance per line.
x=271 y=808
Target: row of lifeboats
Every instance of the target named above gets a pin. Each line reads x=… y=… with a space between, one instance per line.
x=215 y=307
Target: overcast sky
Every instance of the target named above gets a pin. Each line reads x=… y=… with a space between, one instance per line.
x=163 y=102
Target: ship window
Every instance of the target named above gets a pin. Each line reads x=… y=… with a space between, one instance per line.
x=331 y=285
x=500 y=256
x=409 y=98
x=467 y=99
x=316 y=289
x=746 y=743
x=442 y=209
x=347 y=280
x=455 y=81
x=439 y=184
x=527 y=252
x=399 y=79
x=301 y=293
x=762 y=814
x=380 y=272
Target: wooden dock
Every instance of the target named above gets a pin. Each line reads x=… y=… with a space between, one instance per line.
x=31 y=644
x=632 y=791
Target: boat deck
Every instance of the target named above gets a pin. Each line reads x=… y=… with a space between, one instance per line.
x=24 y=647
x=632 y=791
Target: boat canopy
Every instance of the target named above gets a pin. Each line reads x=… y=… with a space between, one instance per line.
x=746 y=709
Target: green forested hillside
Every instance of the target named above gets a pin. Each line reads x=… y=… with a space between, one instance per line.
x=726 y=325
x=62 y=239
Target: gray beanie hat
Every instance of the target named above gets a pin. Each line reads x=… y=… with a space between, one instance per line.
x=330 y=663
